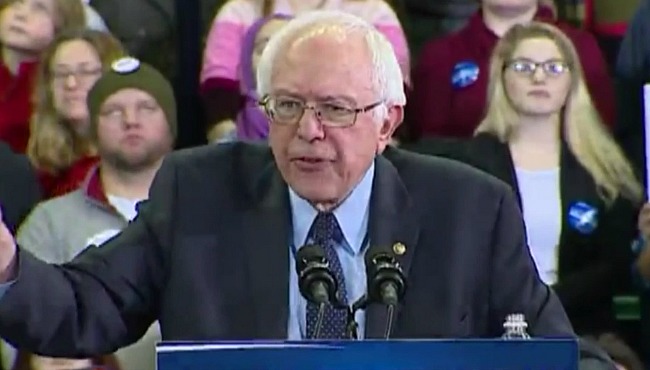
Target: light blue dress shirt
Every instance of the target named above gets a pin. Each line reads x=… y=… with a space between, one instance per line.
x=352 y=216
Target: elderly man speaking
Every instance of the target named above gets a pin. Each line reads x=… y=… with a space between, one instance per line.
x=211 y=254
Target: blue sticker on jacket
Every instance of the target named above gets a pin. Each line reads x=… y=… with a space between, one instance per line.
x=464 y=74
x=583 y=217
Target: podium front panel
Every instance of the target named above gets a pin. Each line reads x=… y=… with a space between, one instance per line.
x=544 y=354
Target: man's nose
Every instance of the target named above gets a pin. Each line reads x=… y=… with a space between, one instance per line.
x=131 y=117
x=310 y=126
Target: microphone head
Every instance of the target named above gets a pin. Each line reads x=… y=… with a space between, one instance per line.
x=309 y=254
x=382 y=268
x=312 y=268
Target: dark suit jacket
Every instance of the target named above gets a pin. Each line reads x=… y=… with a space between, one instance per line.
x=208 y=256
x=19 y=188
x=629 y=130
x=591 y=267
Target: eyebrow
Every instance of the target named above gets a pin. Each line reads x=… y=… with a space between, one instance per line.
x=64 y=65
x=324 y=98
x=534 y=61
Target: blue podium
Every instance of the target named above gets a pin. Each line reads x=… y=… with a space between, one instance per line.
x=480 y=354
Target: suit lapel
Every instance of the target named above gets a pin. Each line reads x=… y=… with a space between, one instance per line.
x=393 y=219
x=266 y=238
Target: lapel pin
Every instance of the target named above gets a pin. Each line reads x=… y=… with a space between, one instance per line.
x=399 y=249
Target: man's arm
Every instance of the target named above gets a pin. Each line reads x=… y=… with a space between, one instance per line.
x=516 y=287
x=106 y=298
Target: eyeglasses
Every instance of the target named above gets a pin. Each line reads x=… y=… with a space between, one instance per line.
x=551 y=68
x=81 y=74
x=289 y=110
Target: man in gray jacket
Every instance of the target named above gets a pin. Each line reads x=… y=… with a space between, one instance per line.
x=134 y=125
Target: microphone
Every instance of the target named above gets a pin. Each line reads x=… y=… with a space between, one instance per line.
x=386 y=282
x=316 y=282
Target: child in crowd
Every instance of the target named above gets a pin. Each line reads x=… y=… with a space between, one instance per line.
x=251 y=122
x=221 y=64
x=27 y=27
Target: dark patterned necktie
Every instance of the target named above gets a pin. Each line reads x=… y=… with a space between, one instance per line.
x=326 y=232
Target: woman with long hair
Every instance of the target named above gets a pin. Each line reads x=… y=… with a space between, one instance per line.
x=579 y=194
x=59 y=145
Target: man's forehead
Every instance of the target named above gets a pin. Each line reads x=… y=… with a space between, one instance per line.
x=127 y=95
x=329 y=51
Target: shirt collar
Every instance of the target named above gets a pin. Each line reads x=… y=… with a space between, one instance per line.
x=352 y=214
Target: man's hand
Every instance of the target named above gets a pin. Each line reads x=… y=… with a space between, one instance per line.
x=7 y=253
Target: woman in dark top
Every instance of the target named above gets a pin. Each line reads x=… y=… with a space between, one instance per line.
x=578 y=193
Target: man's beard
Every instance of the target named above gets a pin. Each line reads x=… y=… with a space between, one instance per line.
x=133 y=163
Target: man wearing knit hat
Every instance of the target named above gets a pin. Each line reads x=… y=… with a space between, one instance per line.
x=133 y=121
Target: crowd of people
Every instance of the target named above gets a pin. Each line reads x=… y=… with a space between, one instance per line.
x=518 y=92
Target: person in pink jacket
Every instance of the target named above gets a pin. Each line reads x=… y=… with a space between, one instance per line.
x=220 y=73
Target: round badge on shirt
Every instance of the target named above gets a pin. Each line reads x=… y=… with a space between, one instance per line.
x=583 y=217
x=125 y=65
x=464 y=74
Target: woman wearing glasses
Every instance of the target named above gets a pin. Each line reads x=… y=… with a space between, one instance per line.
x=579 y=195
x=59 y=144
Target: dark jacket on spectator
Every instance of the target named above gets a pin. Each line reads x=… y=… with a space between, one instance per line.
x=429 y=20
x=632 y=72
x=592 y=267
x=19 y=189
x=634 y=54
x=437 y=108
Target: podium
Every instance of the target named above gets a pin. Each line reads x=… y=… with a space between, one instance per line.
x=479 y=354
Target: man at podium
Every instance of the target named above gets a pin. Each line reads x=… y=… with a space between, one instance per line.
x=211 y=254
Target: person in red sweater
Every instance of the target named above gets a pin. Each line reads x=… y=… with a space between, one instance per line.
x=27 y=27
x=450 y=78
x=60 y=146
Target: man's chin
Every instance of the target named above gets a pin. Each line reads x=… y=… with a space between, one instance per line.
x=321 y=197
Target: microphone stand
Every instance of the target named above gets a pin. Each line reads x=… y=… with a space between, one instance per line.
x=352 y=326
x=319 y=320
x=389 y=322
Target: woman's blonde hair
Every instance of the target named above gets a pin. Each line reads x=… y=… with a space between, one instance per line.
x=587 y=138
x=53 y=144
x=68 y=15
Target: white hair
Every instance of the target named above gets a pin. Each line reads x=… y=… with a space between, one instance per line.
x=386 y=72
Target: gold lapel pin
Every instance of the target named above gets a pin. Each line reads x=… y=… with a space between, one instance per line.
x=399 y=249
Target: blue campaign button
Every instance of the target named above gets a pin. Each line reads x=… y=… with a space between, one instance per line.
x=583 y=217
x=464 y=74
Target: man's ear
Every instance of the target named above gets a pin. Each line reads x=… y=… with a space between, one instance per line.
x=394 y=118
x=391 y=122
